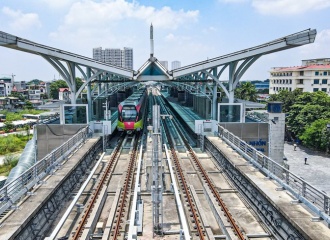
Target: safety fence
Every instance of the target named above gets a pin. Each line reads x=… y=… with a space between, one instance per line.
x=315 y=199
x=14 y=190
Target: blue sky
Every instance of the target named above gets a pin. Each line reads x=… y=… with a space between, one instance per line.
x=184 y=30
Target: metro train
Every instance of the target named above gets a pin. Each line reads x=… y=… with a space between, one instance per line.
x=131 y=112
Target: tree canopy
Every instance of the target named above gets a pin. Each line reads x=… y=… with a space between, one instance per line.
x=307 y=115
x=246 y=91
x=56 y=85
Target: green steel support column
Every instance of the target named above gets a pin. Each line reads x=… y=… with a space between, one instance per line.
x=214 y=101
x=89 y=96
x=214 y=96
x=72 y=79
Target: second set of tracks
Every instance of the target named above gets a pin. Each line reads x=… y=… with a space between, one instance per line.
x=106 y=201
x=185 y=187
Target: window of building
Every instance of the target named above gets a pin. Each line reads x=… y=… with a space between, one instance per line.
x=290 y=89
x=324 y=90
x=315 y=89
x=324 y=81
x=301 y=81
x=316 y=81
x=316 y=73
x=290 y=81
x=301 y=73
x=325 y=73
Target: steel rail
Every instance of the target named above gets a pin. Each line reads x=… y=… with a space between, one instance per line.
x=127 y=186
x=135 y=196
x=212 y=187
x=74 y=201
x=98 y=189
x=184 y=186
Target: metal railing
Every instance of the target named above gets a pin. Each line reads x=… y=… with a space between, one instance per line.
x=14 y=190
x=315 y=199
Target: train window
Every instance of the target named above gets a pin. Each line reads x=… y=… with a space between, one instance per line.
x=129 y=114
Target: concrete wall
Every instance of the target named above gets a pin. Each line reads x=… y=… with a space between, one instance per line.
x=52 y=136
x=255 y=134
x=202 y=105
x=276 y=133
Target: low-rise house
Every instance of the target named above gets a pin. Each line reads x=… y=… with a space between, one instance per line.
x=8 y=103
x=64 y=94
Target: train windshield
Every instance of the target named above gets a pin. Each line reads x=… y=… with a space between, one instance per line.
x=129 y=113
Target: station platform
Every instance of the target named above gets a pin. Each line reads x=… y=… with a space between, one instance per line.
x=296 y=213
x=27 y=210
x=187 y=114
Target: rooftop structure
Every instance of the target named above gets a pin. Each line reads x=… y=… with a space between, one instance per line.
x=312 y=76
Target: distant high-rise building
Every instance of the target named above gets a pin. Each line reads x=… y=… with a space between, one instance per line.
x=176 y=64
x=115 y=56
x=164 y=63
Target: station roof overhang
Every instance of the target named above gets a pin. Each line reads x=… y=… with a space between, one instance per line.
x=14 y=42
x=291 y=41
x=152 y=70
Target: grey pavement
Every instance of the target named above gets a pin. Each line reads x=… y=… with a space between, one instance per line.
x=317 y=170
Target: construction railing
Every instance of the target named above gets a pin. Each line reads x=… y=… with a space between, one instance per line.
x=315 y=199
x=14 y=190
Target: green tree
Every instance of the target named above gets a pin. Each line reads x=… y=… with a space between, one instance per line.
x=302 y=116
x=28 y=105
x=79 y=83
x=55 y=86
x=286 y=97
x=18 y=95
x=316 y=135
x=246 y=91
x=34 y=82
x=44 y=96
x=8 y=126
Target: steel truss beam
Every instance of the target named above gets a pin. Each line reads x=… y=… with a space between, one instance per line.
x=275 y=221
x=106 y=90
x=189 y=88
x=66 y=63
x=211 y=69
x=239 y=62
x=294 y=40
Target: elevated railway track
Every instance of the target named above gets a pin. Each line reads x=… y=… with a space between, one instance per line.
x=202 y=193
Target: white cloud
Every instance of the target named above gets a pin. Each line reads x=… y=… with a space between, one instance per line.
x=21 y=21
x=170 y=37
x=89 y=13
x=58 y=3
x=286 y=7
x=119 y=23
